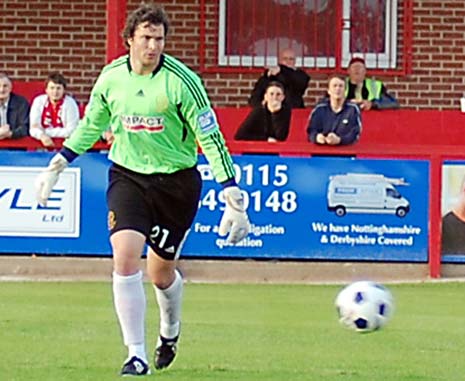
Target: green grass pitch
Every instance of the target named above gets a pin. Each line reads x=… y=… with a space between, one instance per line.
x=68 y=332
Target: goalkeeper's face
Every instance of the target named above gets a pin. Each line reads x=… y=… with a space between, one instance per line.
x=146 y=46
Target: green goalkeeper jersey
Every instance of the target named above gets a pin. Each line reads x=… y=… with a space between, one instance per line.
x=158 y=120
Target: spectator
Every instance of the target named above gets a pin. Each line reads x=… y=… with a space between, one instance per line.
x=334 y=121
x=53 y=114
x=270 y=121
x=295 y=81
x=14 y=111
x=453 y=226
x=368 y=93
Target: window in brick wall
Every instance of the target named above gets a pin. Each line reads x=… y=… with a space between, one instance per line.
x=325 y=34
x=370 y=29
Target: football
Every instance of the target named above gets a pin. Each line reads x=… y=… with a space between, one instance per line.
x=364 y=306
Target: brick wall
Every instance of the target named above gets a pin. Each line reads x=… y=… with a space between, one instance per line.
x=39 y=36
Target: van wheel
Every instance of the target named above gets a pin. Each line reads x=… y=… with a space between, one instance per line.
x=401 y=212
x=340 y=211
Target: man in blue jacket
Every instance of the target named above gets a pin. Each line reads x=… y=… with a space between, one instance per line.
x=335 y=121
x=14 y=111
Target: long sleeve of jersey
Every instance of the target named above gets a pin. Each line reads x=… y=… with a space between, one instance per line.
x=203 y=122
x=95 y=121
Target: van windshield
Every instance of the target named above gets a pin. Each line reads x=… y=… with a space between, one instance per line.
x=390 y=192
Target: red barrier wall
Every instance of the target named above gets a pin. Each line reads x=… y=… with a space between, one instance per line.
x=427 y=135
x=403 y=131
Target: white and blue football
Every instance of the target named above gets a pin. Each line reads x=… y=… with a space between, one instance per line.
x=364 y=306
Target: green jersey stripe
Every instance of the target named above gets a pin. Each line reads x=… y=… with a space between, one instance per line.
x=227 y=164
x=117 y=62
x=190 y=83
x=189 y=80
x=186 y=73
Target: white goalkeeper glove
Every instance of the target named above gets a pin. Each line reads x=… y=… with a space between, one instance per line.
x=234 y=220
x=48 y=178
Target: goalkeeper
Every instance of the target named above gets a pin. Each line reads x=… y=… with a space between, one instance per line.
x=159 y=111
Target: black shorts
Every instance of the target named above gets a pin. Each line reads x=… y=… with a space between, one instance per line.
x=160 y=206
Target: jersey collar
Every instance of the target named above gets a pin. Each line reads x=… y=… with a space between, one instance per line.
x=155 y=71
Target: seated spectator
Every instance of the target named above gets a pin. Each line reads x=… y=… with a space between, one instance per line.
x=334 y=121
x=270 y=120
x=53 y=114
x=14 y=111
x=368 y=93
x=295 y=81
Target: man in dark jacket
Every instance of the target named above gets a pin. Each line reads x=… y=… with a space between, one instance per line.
x=335 y=121
x=295 y=81
x=14 y=111
x=270 y=120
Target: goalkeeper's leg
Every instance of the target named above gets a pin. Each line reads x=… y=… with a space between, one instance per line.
x=129 y=298
x=168 y=286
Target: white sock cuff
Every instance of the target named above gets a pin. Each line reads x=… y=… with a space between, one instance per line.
x=137 y=277
x=173 y=287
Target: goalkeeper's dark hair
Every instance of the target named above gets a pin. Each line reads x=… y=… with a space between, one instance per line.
x=150 y=13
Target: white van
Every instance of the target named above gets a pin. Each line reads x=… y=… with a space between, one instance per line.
x=366 y=193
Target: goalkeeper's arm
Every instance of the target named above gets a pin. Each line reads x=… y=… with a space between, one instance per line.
x=49 y=176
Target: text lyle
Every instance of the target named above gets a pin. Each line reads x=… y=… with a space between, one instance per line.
x=18 y=201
